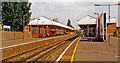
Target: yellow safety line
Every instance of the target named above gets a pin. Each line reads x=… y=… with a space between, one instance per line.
x=75 y=50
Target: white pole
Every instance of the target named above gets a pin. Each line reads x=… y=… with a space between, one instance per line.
x=10 y=33
x=3 y=33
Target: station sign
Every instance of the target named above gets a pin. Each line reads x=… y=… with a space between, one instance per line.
x=118 y=15
x=103 y=26
x=5 y=26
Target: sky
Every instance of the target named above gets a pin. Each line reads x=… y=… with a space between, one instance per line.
x=72 y=9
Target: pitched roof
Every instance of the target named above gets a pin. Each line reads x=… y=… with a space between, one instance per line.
x=92 y=20
x=45 y=21
x=87 y=20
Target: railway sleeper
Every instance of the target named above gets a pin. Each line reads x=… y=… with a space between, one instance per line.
x=39 y=47
x=40 y=55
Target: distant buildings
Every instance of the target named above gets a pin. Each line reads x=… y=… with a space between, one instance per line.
x=88 y=24
x=44 y=26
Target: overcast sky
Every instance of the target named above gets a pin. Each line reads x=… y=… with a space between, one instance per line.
x=72 y=9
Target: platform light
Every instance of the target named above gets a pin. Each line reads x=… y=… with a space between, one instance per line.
x=109 y=14
x=97 y=4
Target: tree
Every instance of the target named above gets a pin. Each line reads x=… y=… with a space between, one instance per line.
x=55 y=19
x=78 y=32
x=115 y=33
x=0 y=12
x=12 y=14
x=69 y=23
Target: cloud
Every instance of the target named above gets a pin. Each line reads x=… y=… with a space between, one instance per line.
x=67 y=10
x=62 y=10
x=75 y=0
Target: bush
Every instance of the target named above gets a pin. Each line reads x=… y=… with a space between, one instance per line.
x=115 y=33
x=110 y=44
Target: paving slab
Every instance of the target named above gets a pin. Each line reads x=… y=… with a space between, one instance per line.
x=95 y=51
x=20 y=41
x=68 y=54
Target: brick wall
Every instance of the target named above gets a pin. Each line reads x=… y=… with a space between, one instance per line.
x=112 y=28
x=7 y=35
x=118 y=31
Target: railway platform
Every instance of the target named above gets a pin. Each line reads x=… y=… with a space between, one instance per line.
x=94 y=51
x=67 y=49
x=21 y=41
x=87 y=51
x=34 y=48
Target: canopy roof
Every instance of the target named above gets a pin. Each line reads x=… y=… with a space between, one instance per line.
x=45 y=21
x=91 y=20
x=87 y=20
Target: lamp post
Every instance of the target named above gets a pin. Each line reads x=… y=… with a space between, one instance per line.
x=23 y=29
x=37 y=28
x=109 y=15
x=98 y=30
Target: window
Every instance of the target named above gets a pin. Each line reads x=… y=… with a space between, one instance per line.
x=36 y=30
x=47 y=30
x=44 y=30
x=66 y=30
x=32 y=30
x=41 y=31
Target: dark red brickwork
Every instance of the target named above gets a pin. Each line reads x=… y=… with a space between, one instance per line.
x=112 y=28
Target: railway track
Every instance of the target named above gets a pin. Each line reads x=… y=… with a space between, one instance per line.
x=33 y=55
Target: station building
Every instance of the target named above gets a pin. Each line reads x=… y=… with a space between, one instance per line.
x=43 y=27
x=88 y=25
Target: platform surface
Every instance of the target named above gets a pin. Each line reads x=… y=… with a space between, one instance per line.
x=96 y=51
x=20 y=41
x=92 y=51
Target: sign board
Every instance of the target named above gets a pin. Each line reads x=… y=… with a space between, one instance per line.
x=103 y=26
x=118 y=15
x=4 y=26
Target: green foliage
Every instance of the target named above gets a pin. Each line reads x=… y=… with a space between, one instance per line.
x=12 y=14
x=77 y=32
x=6 y=29
x=69 y=23
x=22 y=57
x=115 y=33
x=73 y=29
x=110 y=44
x=0 y=12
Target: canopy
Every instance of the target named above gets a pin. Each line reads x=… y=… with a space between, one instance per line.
x=45 y=21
